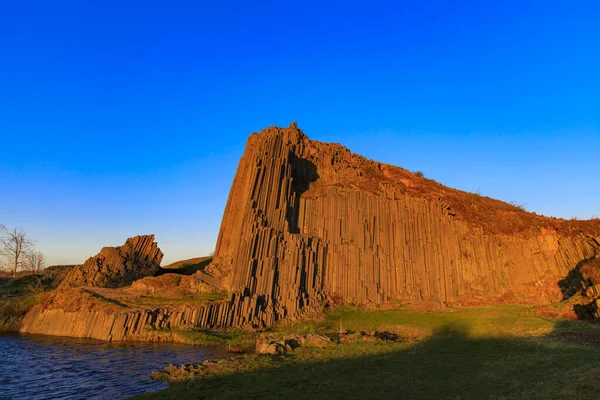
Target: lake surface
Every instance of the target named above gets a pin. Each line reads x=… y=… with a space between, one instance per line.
x=47 y=367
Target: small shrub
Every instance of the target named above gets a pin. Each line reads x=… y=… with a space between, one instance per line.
x=36 y=287
x=518 y=206
x=420 y=174
x=11 y=312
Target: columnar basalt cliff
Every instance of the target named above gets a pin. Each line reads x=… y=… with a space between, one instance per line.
x=307 y=222
x=310 y=223
x=117 y=266
x=115 y=325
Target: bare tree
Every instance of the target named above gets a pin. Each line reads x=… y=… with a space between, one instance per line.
x=13 y=245
x=3 y=267
x=34 y=261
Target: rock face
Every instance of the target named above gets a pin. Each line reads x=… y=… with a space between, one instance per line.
x=120 y=325
x=56 y=273
x=117 y=266
x=308 y=222
x=583 y=281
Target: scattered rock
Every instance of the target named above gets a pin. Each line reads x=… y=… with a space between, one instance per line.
x=266 y=345
x=184 y=372
x=270 y=345
x=232 y=348
x=386 y=336
x=316 y=340
x=368 y=335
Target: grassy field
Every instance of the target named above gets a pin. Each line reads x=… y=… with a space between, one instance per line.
x=17 y=296
x=496 y=352
x=187 y=267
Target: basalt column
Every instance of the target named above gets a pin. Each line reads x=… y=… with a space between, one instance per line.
x=273 y=271
x=306 y=221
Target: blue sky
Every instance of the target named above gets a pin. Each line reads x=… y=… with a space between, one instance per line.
x=123 y=119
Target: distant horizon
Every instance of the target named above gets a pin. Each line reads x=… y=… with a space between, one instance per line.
x=126 y=119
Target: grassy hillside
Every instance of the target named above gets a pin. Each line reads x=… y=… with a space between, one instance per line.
x=186 y=267
x=496 y=352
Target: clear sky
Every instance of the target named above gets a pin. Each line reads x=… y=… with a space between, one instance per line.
x=125 y=118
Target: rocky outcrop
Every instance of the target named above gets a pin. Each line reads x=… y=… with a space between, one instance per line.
x=310 y=223
x=57 y=273
x=120 y=325
x=117 y=266
x=307 y=222
x=582 y=283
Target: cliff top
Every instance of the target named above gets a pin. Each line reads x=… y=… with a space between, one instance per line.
x=340 y=170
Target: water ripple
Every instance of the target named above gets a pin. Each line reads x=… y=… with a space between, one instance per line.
x=46 y=367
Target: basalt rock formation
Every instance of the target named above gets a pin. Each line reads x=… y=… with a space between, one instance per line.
x=582 y=283
x=117 y=266
x=57 y=273
x=308 y=222
x=114 y=325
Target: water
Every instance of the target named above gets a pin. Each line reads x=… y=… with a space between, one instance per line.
x=46 y=367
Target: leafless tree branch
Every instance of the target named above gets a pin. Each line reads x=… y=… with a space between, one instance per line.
x=13 y=245
x=34 y=261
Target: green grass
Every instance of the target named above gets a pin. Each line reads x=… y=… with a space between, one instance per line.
x=155 y=301
x=496 y=352
x=479 y=321
x=237 y=338
x=23 y=286
x=449 y=365
x=199 y=337
x=187 y=267
x=12 y=310
x=17 y=296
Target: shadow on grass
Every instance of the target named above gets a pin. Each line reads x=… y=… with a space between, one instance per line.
x=447 y=365
x=104 y=298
